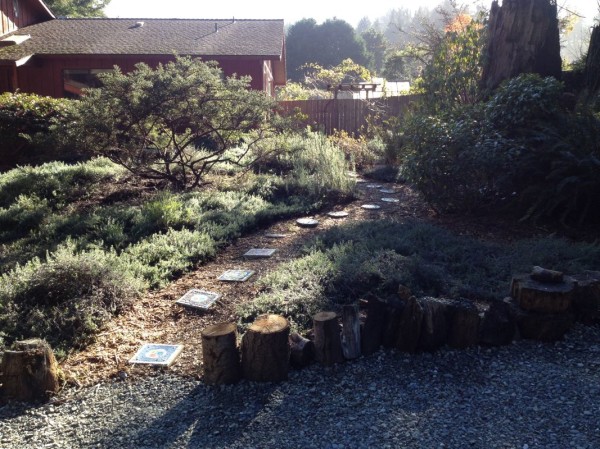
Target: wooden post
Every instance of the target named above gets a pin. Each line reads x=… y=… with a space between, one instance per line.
x=29 y=372
x=266 y=350
x=350 y=332
x=372 y=336
x=302 y=351
x=328 y=344
x=220 y=354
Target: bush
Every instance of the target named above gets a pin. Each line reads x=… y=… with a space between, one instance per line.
x=66 y=298
x=26 y=124
x=359 y=152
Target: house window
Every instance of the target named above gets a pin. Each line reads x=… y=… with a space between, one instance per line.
x=75 y=80
x=16 y=8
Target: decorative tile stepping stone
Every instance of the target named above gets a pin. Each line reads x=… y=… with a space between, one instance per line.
x=374 y=186
x=157 y=354
x=274 y=235
x=390 y=200
x=307 y=222
x=370 y=206
x=387 y=191
x=198 y=299
x=260 y=253
x=338 y=214
x=236 y=275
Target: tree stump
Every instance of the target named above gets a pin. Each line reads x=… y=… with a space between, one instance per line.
x=350 y=332
x=410 y=326
x=393 y=315
x=434 y=331
x=220 y=354
x=586 y=301
x=372 y=335
x=266 y=349
x=29 y=372
x=543 y=297
x=464 y=324
x=547 y=327
x=328 y=344
x=302 y=351
x=498 y=326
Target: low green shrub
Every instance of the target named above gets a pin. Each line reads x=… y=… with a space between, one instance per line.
x=67 y=297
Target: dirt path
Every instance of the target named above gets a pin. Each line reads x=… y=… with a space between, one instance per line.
x=156 y=318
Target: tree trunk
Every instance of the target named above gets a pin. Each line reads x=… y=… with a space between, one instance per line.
x=586 y=301
x=302 y=351
x=372 y=335
x=523 y=37
x=328 y=344
x=592 y=62
x=393 y=315
x=266 y=350
x=464 y=324
x=543 y=297
x=220 y=354
x=350 y=332
x=411 y=323
x=29 y=372
x=434 y=332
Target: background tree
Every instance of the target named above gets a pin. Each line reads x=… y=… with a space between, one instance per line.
x=327 y=44
x=376 y=45
x=394 y=68
x=174 y=123
x=77 y=8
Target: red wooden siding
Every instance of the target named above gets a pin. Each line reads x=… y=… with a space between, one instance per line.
x=5 y=79
x=28 y=14
x=347 y=115
x=44 y=75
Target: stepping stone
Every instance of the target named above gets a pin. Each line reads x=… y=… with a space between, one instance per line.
x=275 y=235
x=374 y=186
x=198 y=299
x=387 y=191
x=340 y=214
x=260 y=253
x=236 y=275
x=360 y=181
x=159 y=355
x=390 y=200
x=307 y=222
x=370 y=206
x=352 y=174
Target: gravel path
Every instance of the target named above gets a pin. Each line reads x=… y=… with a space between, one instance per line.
x=526 y=395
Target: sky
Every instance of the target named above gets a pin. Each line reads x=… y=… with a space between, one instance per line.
x=290 y=11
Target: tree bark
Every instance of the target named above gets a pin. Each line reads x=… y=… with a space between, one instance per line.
x=266 y=350
x=523 y=37
x=350 y=332
x=592 y=62
x=302 y=351
x=328 y=344
x=220 y=354
x=29 y=372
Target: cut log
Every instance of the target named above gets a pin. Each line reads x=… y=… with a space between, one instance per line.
x=545 y=327
x=586 y=301
x=266 y=350
x=544 y=275
x=499 y=325
x=220 y=354
x=350 y=332
x=434 y=331
x=372 y=335
x=393 y=315
x=328 y=343
x=410 y=326
x=404 y=292
x=302 y=351
x=29 y=372
x=464 y=321
x=543 y=297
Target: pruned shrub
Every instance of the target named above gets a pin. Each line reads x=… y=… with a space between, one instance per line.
x=67 y=297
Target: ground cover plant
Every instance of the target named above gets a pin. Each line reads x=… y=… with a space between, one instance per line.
x=373 y=258
x=80 y=242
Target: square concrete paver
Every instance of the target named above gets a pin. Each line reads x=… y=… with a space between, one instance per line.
x=236 y=275
x=198 y=299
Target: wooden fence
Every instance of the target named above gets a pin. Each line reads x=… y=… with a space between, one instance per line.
x=347 y=115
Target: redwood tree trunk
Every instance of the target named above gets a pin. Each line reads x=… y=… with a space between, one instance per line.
x=523 y=37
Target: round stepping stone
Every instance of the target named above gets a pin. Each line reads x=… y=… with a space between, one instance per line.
x=360 y=181
x=370 y=206
x=307 y=222
x=352 y=174
x=274 y=235
x=387 y=190
x=390 y=200
x=340 y=214
x=374 y=186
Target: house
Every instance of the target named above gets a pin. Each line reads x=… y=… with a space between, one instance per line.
x=59 y=57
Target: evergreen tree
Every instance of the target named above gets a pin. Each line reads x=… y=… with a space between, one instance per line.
x=77 y=8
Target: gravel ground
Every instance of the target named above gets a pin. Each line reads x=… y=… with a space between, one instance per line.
x=526 y=395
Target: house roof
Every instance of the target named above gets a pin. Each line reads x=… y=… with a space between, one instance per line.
x=192 y=37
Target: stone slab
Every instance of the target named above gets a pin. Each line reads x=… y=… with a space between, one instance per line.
x=157 y=354
x=371 y=206
x=307 y=222
x=236 y=275
x=390 y=200
x=260 y=253
x=198 y=299
x=373 y=186
x=274 y=235
x=337 y=214
x=388 y=191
